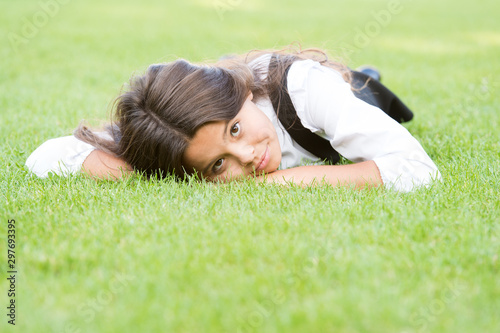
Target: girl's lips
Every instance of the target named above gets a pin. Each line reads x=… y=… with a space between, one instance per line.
x=264 y=161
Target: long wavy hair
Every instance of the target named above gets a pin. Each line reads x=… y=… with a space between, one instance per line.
x=159 y=113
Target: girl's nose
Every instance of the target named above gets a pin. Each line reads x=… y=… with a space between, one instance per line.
x=245 y=153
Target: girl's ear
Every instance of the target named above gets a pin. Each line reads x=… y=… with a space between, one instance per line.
x=250 y=97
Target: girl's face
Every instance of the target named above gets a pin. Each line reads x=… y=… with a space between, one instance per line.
x=226 y=150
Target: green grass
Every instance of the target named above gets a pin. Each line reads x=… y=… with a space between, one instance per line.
x=161 y=256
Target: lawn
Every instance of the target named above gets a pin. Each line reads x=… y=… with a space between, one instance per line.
x=162 y=256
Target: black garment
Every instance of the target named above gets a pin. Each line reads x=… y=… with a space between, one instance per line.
x=371 y=91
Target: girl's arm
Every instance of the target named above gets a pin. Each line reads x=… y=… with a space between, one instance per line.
x=68 y=155
x=358 y=131
x=359 y=175
x=104 y=166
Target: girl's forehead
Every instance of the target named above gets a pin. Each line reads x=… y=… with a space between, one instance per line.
x=210 y=130
x=204 y=145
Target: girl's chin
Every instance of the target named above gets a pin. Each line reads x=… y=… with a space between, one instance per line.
x=274 y=164
x=269 y=170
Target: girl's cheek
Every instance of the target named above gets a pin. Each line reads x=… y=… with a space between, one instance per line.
x=235 y=173
x=264 y=133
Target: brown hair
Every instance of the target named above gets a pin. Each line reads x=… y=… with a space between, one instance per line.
x=160 y=112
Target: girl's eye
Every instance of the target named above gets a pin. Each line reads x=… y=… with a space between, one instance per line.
x=235 y=130
x=218 y=165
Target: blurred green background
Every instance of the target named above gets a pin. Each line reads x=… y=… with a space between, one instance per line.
x=79 y=53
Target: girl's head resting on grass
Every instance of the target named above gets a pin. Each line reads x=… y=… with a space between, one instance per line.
x=180 y=118
x=163 y=109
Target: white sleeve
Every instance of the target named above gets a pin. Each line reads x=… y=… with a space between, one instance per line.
x=357 y=130
x=61 y=156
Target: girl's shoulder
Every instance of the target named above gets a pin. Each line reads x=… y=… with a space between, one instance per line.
x=60 y=155
x=261 y=60
x=299 y=70
x=260 y=65
x=304 y=69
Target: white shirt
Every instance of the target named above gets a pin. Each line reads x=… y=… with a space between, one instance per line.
x=325 y=105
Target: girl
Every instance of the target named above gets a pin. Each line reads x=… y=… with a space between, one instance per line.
x=264 y=115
